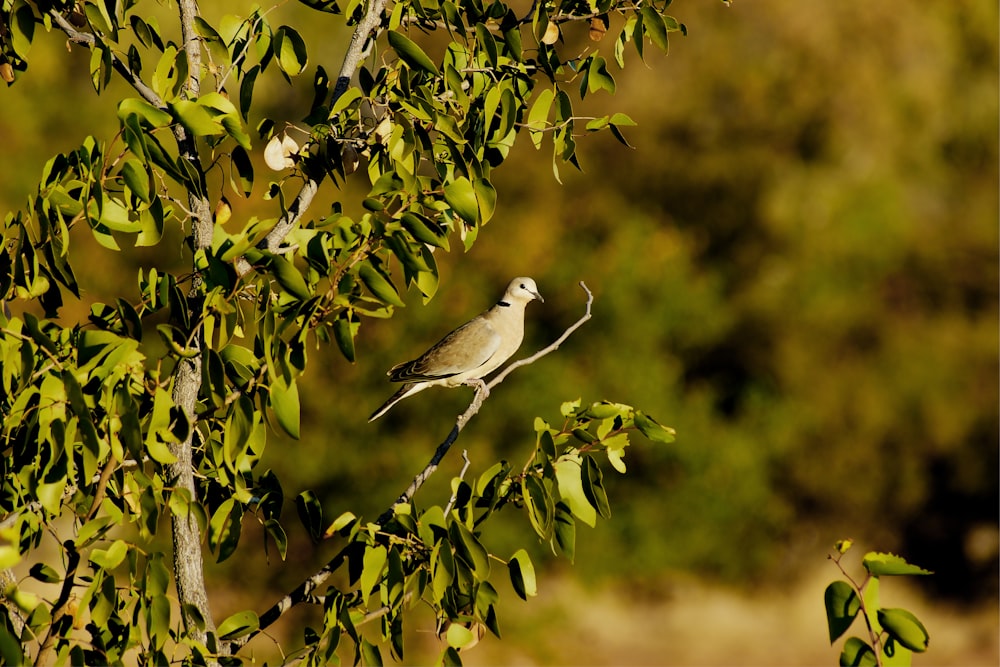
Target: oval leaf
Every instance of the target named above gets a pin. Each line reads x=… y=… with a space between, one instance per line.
x=410 y=53
x=905 y=628
x=568 y=475
x=239 y=624
x=284 y=399
x=379 y=285
x=289 y=277
x=461 y=196
x=290 y=51
x=857 y=653
x=522 y=574
x=842 y=605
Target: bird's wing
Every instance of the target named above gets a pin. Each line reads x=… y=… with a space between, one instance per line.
x=464 y=349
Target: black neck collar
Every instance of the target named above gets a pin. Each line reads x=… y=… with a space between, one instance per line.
x=503 y=304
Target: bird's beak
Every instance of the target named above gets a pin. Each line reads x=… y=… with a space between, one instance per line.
x=538 y=296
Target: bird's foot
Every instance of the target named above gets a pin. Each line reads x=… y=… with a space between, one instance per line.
x=479 y=385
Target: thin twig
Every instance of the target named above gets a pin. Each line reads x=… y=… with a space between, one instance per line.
x=366 y=29
x=860 y=592
x=90 y=41
x=461 y=476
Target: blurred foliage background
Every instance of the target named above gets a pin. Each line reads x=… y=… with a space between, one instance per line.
x=796 y=267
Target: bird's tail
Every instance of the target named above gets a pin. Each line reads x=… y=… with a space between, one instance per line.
x=404 y=391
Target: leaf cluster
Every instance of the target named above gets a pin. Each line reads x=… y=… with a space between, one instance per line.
x=894 y=634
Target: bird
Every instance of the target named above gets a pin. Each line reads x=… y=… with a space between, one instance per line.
x=470 y=352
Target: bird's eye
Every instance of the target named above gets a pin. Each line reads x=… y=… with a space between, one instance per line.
x=522 y=286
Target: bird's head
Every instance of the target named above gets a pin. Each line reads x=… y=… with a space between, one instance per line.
x=522 y=290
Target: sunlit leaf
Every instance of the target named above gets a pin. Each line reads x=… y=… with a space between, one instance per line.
x=522 y=574
x=842 y=605
x=239 y=624
x=461 y=196
x=284 y=398
x=905 y=628
x=885 y=564
x=410 y=53
x=289 y=51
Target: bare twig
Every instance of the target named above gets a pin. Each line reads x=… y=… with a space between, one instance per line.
x=46 y=652
x=461 y=476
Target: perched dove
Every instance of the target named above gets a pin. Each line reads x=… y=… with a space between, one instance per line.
x=470 y=352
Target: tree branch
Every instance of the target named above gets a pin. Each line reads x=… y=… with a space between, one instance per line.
x=90 y=41
x=477 y=402
x=189 y=576
x=304 y=590
x=365 y=30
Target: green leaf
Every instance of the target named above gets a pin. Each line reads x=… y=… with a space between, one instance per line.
x=650 y=428
x=289 y=277
x=9 y=556
x=539 y=114
x=486 y=196
x=159 y=620
x=451 y=657
x=410 y=53
x=289 y=50
x=196 y=119
x=225 y=527
x=379 y=284
x=593 y=486
x=373 y=564
x=284 y=399
x=22 y=28
x=565 y=531
x=470 y=549
x=310 y=513
x=598 y=76
x=370 y=655
x=244 y=170
x=144 y=111
x=44 y=573
x=654 y=27
x=461 y=196
x=246 y=90
x=344 y=330
x=442 y=569
x=857 y=653
x=539 y=504
x=459 y=636
x=110 y=558
x=522 y=574
x=11 y=650
x=885 y=564
x=905 y=628
x=348 y=96
x=277 y=533
x=842 y=606
x=137 y=179
x=425 y=230
x=568 y=475
x=239 y=624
